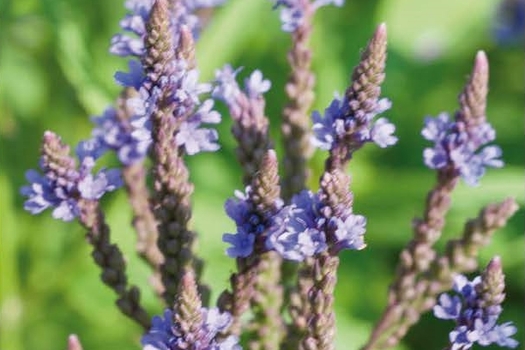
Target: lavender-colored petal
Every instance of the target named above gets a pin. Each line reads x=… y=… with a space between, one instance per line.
x=124 y=46
x=91 y=148
x=436 y=128
x=448 y=308
x=67 y=210
x=256 y=86
x=242 y=244
x=134 y=78
x=217 y=321
x=382 y=133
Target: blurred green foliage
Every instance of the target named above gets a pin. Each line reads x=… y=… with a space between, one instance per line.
x=55 y=71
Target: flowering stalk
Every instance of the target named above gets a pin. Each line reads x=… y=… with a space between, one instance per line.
x=255 y=285
x=170 y=119
x=330 y=223
x=250 y=125
x=134 y=177
x=76 y=193
x=454 y=156
x=188 y=325
x=110 y=259
x=295 y=125
x=476 y=310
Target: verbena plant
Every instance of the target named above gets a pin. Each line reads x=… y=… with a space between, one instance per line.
x=285 y=231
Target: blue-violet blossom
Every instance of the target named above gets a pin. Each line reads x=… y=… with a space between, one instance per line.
x=339 y=125
x=227 y=89
x=165 y=333
x=302 y=230
x=293 y=11
x=463 y=149
x=62 y=188
x=135 y=21
x=250 y=223
x=474 y=323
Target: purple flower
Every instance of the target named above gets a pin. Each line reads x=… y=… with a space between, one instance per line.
x=448 y=307
x=185 y=90
x=166 y=333
x=475 y=321
x=256 y=85
x=298 y=232
x=227 y=89
x=509 y=23
x=118 y=135
x=134 y=78
x=293 y=11
x=339 y=125
x=460 y=147
x=250 y=222
x=349 y=232
x=62 y=186
x=135 y=21
x=303 y=229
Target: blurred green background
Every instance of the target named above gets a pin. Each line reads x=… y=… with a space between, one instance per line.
x=55 y=71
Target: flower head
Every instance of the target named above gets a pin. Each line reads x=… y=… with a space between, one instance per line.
x=293 y=12
x=165 y=333
x=305 y=228
x=62 y=184
x=476 y=308
x=350 y=122
x=251 y=223
x=462 y=148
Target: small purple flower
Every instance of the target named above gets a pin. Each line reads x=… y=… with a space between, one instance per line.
x=120 y=136
x=475 y=322
x=509 y=22
x=135 y=21
x=293 y=11
x=448 y=307
x=463 y=149
x=339 y=125
x=256 y=85
x=134 y=78
x=165 y=333
x=349 y=232
x=227 y=89
x=250 y=222
x=302 y=229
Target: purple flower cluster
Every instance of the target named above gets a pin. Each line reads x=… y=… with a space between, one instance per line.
x=250 y=222
x=134 y=23
x=340 y=125
x=131 y=139
x=184 y=90
x=460 y=147
x=227 y=89
x=305 y=228
x=474 y=323
x=62 y=186
x=293 y=11
x=113 y=133
x=166 y=333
